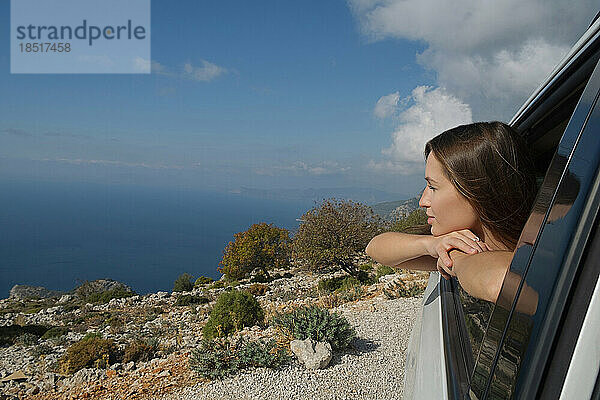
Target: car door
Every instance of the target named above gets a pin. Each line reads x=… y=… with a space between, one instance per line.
x=525 y=323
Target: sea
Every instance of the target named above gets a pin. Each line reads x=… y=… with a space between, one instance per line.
x=58 y=235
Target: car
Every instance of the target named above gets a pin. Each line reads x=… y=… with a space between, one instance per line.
x=540 y=339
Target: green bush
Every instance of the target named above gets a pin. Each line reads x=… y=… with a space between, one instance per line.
x=403 y=289
x=90 y=352
x=202 y=280
x=219 y=358
x=10 y=333
x=91 y=335
x=183 y=283
x=338 y=283
x=261 y=248
x=217 y=285
x=365 y=267
x=27 y=339
x=55 y=332
x=189 y=299
x=41 y=349
x=384 y=270
x=233 y=311
x=108 y=295
x=317 y=323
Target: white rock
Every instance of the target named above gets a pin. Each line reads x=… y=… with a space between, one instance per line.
x=314 y=355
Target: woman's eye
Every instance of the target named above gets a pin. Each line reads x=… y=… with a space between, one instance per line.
x=431 y=187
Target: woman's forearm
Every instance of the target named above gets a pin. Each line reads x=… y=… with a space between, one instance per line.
x=481 y=275
x=393 y=248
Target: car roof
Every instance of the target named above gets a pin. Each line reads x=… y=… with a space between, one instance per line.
x=589 y=38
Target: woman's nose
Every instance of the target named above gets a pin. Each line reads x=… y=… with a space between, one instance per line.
x=424 y=200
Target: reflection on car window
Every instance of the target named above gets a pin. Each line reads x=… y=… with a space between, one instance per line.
x=477 y=314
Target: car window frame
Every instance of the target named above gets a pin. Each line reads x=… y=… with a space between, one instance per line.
x=503 y=316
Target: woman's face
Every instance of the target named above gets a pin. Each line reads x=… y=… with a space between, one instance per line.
x=447 y=209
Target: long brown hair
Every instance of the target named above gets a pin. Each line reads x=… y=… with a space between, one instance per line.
x=490 y=165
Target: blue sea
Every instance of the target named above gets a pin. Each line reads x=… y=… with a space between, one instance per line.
x=58 y=235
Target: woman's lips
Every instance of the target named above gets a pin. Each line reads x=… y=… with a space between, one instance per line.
x=430 y=220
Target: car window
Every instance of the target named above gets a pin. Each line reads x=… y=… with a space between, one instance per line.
x=529 y=298
x=485 y=331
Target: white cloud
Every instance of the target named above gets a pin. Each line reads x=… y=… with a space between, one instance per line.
x=301 y=168
x=141 y=65
x=386 y=105
x=80 y=161
x=431 y=111
x=506 y=46
x=207 y=72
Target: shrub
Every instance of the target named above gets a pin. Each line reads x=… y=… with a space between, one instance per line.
x=365 y=267
x=108 y=295
x=333 y=233
x=55 y=332
x=183 y=283
x=262 y=247
x=90 y=352
x=27 y=339
x=217 y=285
x=403 y=289
x=9 y=334
x=139 y=350
x=338 y=283
x=415 y=222
x=91 y=335
x=316 y=323
x=218 y=358
x=202 y=280
x=384 y=270
x=41 y=349
x=189 y=299
x=258 y=289
x=233 y=311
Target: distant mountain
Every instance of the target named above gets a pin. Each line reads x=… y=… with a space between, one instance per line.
x=392 y=210
x=363 y=195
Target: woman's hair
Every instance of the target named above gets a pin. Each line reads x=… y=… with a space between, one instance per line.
x=490 y=165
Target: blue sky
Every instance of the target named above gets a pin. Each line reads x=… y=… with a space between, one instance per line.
x=279 y=95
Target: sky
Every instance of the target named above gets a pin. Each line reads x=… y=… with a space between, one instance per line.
x=276 y=95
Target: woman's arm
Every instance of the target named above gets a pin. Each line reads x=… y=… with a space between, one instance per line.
x=401 y=250
x=481 y=274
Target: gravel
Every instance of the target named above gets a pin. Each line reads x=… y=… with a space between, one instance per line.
x=372 y=369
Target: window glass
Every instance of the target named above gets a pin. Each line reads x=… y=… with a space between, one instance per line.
x=543 y=137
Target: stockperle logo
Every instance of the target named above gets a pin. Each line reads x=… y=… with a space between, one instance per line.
x=80 y=36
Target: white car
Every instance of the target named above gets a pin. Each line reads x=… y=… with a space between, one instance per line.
x=542 y=338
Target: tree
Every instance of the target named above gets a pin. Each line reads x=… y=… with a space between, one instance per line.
x=183 y=283
x=262 y=247
x=415 y=223
x=334 y=232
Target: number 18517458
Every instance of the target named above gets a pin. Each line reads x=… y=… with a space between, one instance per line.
x=45 y=47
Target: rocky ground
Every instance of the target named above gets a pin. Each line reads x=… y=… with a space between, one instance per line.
x=29 y=368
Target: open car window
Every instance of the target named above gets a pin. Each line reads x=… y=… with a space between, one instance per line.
x=524 y=314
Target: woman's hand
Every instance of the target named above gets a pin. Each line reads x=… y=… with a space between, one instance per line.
x=463 y=240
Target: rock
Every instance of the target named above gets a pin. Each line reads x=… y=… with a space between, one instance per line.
x=23 y=292
x=99 y=286
x=15 y=376
x=66 y=298
x=164 y=373
x=314 y=355
x=87 y=375
x=129 y=366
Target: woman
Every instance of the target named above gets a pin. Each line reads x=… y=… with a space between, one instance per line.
x=480 y=190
